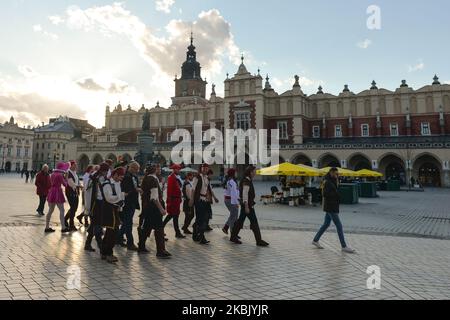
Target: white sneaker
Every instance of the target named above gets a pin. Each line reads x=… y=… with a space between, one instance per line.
x=317 y=245
x=348 y=250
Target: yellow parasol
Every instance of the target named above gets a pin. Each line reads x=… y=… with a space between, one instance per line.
x=369 y=173
x=342 y=172
x=289 y=169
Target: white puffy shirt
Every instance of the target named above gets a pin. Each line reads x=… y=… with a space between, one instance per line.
x=232 y=191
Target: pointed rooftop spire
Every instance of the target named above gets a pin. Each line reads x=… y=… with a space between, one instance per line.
x=267 y=85
x=296 y=83
x=436 y=80
x=320 y=90
x=242 y=69
x=374 y=85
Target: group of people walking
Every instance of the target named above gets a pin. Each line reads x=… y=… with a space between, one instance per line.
x=110 y=198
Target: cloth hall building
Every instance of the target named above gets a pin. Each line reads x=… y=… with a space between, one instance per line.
x=402 y=133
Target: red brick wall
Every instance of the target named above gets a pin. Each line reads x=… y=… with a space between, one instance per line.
x=252 y=104
x=416 y=121
x=273 y=124
x=416 y=124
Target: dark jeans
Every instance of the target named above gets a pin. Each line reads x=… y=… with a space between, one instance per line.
x=73 y=200
x=109 y=241
x=176 y=226
x=337 y=222
x=94 y=231
x=201 y=218
x=127 y=224
x=251 y=216
x=42 y=200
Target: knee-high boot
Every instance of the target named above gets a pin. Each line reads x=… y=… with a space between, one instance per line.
x=235 y=232
x=142 y=235
x=257 y=232
x=161 y=245
x=195 y=234
x=88 y=243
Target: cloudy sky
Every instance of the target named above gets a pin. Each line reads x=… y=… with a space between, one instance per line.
x=73 y=57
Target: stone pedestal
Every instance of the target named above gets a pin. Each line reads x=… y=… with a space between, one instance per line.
x=145 y=149
x=446 y=179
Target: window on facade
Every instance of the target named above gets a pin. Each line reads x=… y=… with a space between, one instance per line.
x=365 y=130
x=316 y=132
x=19 y=151
x=26 y=152
x=425 y=128
x=242 y=120
x=64 y=146
x=9 y=151
x=63 y=157
x=338 y=131
x=283 y=130
x=168 y=136
x=95 y=139
x=37 y=146
x=108 y=138
x=49 y=145
x=394 y=129
x=59 y=146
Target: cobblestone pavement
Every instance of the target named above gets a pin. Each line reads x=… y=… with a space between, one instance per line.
x=35 y=266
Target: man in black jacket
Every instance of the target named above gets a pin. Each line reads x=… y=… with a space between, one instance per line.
x=130 y=186
x=330 y=201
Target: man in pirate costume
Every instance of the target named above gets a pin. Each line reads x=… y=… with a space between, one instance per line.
x=174 y=200
x=153 y=210
x=201 y=190
x=187 y=196
x=72 y=195
x=93 y=203
x=211 y=198
x=113 y=202
x=130 y=185
x=247 y=192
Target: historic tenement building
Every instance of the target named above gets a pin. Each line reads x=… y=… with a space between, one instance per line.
x=59 y=140
x=402 y=133
x=16 y=147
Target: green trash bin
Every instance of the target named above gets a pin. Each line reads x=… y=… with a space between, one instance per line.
x=393 y=185
x=348 y=193
x=368 y=190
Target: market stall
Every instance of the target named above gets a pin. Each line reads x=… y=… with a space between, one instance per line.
x=293 y=191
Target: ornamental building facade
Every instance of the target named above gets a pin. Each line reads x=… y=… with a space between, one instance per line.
x=16 y=147
x=402 y=133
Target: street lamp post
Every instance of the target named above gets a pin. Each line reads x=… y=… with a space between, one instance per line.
x=3 y=154
x=55 y=154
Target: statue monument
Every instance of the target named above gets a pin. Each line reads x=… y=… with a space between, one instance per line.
x=145 y=142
